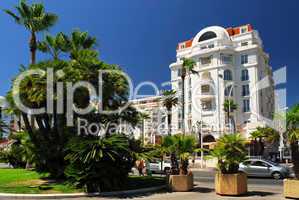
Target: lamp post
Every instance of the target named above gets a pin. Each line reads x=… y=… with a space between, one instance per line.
x=199 y=127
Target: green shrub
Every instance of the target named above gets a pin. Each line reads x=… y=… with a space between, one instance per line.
x=230 y=151
x=99 y=164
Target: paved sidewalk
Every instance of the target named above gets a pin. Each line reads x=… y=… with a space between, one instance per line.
x=206 y=192
x=203 y=191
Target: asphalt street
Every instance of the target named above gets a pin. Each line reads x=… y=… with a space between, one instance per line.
x=208 y=177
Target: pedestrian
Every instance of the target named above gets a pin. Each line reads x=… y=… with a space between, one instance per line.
x=141 y=167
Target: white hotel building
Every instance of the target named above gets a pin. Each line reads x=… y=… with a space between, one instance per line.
x=230 y=64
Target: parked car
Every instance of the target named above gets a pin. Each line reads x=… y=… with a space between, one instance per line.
x=155 y=166
x=264 y=168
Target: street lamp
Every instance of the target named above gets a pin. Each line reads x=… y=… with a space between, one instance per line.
x=199 y=127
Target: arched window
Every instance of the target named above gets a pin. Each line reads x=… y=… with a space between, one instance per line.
x=228 y=75
x=229 y=91
x=207 y=36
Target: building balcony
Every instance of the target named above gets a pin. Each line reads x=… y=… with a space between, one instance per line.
x=206 y=96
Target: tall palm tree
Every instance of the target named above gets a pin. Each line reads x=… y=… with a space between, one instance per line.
x=229 y=106
x=143 y=116
x=187 y=68
x=292 y=121
x=35 y=19
x=169 y=100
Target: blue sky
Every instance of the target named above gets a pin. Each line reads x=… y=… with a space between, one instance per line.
x=141 y=35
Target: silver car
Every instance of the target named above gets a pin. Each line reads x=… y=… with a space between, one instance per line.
x=264 y=168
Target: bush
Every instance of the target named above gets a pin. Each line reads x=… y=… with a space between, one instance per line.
x=230 y=151
x=99 y=164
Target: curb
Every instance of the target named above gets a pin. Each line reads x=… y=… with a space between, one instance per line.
x=78 y=195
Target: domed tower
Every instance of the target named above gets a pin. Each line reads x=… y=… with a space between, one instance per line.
x=229 y=63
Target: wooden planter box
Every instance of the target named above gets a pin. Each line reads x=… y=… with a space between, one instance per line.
x=231 y=184
x=291 y=188
x=181 y=183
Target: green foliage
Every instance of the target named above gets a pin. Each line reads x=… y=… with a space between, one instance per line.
x=183 y=146
x=33 y=17
x=262 y=134
x=101 y=164
x=292 y=122
x=188 y=66
x=97 y=163
x=169 y=99
x=230 y=151
x=229 y=106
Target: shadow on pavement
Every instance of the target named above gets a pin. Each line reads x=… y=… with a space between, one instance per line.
x=202 y=190
x=260 y=193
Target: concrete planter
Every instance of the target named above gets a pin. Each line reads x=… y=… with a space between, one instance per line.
x=231 y=184
x=291 y=188
x=181 y=183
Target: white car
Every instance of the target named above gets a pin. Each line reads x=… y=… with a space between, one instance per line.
x=156 y=167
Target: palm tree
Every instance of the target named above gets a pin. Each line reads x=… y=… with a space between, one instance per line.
x=230 y=150
x=54 y=45
x=34 y=19
x=187 y=68
x=79 y=41
x=142 y=117
x=183 y=146
x=262 y=134
x=292 y=121
x=169 y=100
x=229 y=106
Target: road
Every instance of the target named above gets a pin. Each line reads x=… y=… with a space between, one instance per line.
x=208 y=177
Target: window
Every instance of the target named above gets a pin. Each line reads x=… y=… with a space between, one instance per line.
x=205 y=89
x=206 y=60
x=180 y=85
x=190 y=108
x=226 y=59
x=206 y=105
x=207 y=36
x=244 y=76
x=244 y=44
x=244 y=59
x=228 y=75
x=180 y=114
x=190 y=82
x=246 y=105
x=211 y=46
x=245 y=90
x=244 y=29
x=180 y=125
x=259 y=164
x=190 y=95
x=179 y=72
x=229 y=91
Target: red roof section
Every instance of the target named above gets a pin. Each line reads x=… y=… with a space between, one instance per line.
x=232 y=31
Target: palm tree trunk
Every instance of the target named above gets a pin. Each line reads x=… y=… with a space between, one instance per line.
x=33 y=47
x=183 y=101
x=295 y=158
x=169 y=121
